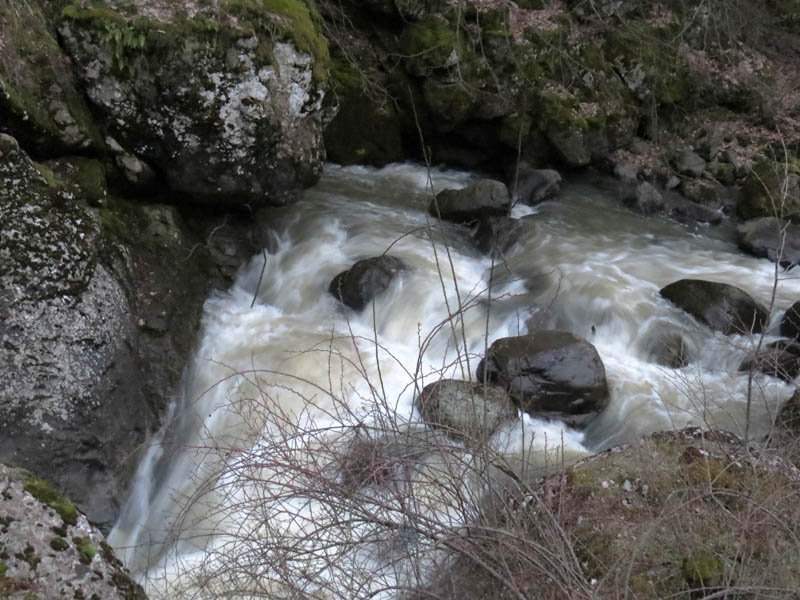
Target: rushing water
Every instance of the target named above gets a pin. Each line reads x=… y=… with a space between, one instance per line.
x=234 y=497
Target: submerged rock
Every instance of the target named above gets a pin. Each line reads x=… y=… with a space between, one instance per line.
x=484 y=198
x=497 y=235
x=50 y=550
x=465 y=409
x=367 y=278
x=721 y=306
x=670 y=351
x=549 y=372
x=227 y=105
x=771 y=238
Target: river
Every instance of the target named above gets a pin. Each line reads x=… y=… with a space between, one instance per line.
x=242 y=494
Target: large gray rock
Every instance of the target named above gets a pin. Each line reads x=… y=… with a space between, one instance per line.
x=367 y=278
x=646 y=199
x=483 y=198
x=50 y=550
x=465 y=409
x=721 y=306
x=549 y=373
x=771 y=238
x=99 y=310
x=214 y=101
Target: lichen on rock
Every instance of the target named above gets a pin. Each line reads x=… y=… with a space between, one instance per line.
x=226 y=104
x=50 y=554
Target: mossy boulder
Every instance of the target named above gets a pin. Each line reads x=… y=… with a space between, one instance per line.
x=465 y=410
x=226 y=104
x=367 y=127
x=770 y=190
x=40 y=101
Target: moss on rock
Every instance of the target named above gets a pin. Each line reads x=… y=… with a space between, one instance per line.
x=770 y=190
x=39 y=98
x=367 y=127
x=47 y=494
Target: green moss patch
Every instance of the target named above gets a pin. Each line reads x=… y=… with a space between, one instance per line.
x=48 y=495
x=39 y=99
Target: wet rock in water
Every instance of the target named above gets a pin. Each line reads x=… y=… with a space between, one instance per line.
x=721 y=306
x=670 y=351
x=646 y=199
x=686 y=211
x=465 y=409
x=771 y=238
x=50 y=550
x=484 y=198
x=790 y=323
x=780 y=359
x=497 y=235
x=549 y=373
x=367 y=278
x=532 y=186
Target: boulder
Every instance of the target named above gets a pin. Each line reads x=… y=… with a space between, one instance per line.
x=50 y=550
x=483 y=198
x=226 y=105
x=771 y=238
x=769 y=191
x=689 y=163
x=646 y=199
x=790 y=323
x=686 y=211
x=497 y=235
x=367 y=278
x=99 y=310
x=465 y=409
x=549 y=373
x=532 y=186
x=706 y=193
x=721 y=306
x=780 y=359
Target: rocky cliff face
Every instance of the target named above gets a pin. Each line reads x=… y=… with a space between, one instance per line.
x=126 y=105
